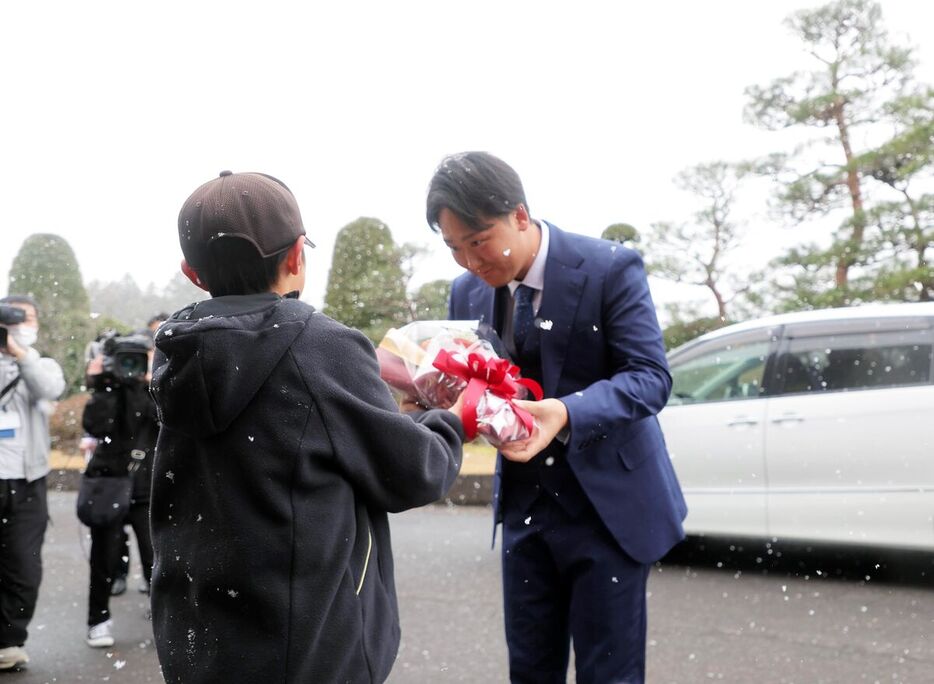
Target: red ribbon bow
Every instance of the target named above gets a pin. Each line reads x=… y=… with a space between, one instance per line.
x=499 y=376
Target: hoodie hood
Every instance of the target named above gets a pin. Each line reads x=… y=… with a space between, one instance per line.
x=213 y=357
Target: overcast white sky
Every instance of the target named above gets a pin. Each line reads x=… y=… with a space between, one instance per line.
x=113 y=112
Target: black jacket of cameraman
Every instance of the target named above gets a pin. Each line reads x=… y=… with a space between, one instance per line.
x=123 y=419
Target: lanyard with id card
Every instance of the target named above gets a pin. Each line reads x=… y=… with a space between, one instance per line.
x=9 y=423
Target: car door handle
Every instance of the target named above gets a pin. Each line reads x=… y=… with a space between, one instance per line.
x=742 y=420
x=788 y=418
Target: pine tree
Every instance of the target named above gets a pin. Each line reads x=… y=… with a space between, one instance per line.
x=858 y=75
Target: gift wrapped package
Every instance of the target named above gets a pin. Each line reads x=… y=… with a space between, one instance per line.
x=435 y=362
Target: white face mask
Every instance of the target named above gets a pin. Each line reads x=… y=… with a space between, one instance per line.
x=25 y=335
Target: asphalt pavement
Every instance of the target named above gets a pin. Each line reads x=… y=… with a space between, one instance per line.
x=56 y=645
x=716 y=613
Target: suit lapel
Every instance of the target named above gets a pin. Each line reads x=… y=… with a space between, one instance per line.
x=480 y=300
x=564 y=286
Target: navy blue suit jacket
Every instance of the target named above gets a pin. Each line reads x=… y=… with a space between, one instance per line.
x=602 y=355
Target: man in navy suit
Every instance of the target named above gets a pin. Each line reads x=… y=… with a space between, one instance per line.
x=590 y=500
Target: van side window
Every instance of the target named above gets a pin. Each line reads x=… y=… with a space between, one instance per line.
x=851 y=361
x=721 y=372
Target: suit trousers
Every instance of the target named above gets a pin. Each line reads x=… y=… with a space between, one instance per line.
x=107 y=547
x=566 y=578
x=24 y=515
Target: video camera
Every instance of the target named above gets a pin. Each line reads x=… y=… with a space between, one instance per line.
x=125 y=358
x=9 y=315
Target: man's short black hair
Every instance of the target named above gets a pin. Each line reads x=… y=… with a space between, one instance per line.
x=476 y=187
x=21 y=299
x=234 y=267
x=158 y=318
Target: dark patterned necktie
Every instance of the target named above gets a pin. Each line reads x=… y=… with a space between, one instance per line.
x=523 y=315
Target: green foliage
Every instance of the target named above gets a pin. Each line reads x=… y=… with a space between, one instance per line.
x=65 y=428
x=901 y=249
x=903 y=237
x=910 y=151
x=366 y=284
x=430 y=301
x=623 y=233
x=682 y=331
x=46 y=269
x=803 y=280
x=685 y=322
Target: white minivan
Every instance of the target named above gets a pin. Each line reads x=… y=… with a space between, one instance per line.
x=815 y=426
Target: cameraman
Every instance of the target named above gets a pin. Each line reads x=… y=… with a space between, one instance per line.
x=28 y=383
x=123 y=557
x=121 y=415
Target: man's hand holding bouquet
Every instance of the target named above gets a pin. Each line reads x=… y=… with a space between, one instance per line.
x=436 y=362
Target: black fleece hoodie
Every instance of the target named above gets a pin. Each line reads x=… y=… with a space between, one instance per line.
x=280 y=453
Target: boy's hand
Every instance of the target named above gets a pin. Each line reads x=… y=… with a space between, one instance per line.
x=458 y=406
x=408 y=404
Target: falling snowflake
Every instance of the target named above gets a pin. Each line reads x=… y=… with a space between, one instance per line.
x=170 y=475
x=120 y=664
x=528 y=520
x=546 y=325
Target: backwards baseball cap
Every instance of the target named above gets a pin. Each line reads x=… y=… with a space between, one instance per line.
x=251 y=206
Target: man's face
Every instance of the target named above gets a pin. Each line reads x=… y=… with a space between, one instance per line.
x=500 y=253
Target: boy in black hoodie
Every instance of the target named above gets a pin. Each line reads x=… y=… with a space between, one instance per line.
x=280 y=453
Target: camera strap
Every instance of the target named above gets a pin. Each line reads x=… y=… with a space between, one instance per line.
x=10 y=387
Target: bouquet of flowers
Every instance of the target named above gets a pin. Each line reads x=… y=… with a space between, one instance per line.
x=435 y=361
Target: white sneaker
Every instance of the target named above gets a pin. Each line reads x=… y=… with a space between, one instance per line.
x=100 y=635
x=12 y=657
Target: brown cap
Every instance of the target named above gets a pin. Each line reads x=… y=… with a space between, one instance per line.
x=252 y=206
